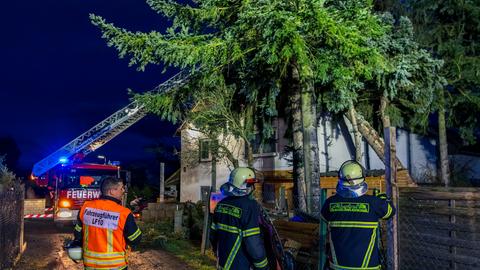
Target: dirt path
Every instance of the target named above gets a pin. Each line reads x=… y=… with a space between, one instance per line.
x=44 y=251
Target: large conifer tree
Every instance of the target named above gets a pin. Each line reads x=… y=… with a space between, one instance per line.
x=304 y=50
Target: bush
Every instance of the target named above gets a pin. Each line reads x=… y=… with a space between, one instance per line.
x=156 y=235
x=193 y=219
x=7 y=178
x=161 y=235
x=147 y=193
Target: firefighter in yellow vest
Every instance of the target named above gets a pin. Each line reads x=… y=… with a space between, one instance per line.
x=105 y=229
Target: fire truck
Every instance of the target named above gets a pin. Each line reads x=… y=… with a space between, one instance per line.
x=71 y=182
x=69 y=185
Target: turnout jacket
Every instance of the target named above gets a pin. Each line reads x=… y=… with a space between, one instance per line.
x=106 y=228
x=235 y=234
x=354 y=230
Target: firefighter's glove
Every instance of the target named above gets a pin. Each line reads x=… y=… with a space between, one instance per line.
x=382 y=196
x=73 y=243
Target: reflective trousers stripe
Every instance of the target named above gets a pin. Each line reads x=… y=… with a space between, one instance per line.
x=371 y=245
x=233 y=252
x=340 y=267
x=238 y=242
x=261 y=264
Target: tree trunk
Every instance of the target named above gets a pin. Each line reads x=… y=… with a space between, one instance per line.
x=442 y=138
x=383 y=106
x=356 y=135
x=298 y=166
x=249 y=153
x=310 y=149
x=372 y=137
x=213 y=187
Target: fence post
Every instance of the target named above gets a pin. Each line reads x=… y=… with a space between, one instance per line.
x=206 y=225
x=453 y=235
x=322 y=257
x=161 y=197
x=390 y=175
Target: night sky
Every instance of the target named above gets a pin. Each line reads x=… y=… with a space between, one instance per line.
x=58 y=78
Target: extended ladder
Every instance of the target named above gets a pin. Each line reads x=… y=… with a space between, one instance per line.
x=106 y=130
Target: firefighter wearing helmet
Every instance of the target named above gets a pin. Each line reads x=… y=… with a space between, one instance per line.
x=353 y=221
x=235 y=231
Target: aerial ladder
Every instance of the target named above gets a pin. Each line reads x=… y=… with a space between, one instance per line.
x=107 y=129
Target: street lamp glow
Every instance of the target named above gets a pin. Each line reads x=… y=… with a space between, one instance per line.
x=103 y=157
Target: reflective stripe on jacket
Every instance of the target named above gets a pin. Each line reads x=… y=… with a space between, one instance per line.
x=104 y=243
x=235 y=234
x=354 y=230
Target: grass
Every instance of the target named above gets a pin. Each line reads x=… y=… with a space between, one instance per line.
x=160 y=235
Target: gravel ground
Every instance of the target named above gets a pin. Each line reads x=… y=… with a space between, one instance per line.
x=44 y=251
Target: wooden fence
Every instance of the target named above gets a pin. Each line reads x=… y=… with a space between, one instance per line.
x=439 y=228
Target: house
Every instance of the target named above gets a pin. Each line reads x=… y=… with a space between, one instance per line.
x=417 y=154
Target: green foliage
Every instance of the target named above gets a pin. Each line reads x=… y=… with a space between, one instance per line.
x=193 y=220
x=145 y=192
x=247 y=49
x=160 y=235
x=412 y=78
x=7 y=178
x=249 y=46
x=451 y=29
x=157 y=234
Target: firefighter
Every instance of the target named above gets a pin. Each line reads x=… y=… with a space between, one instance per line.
x=235 y=232
x=105 y=229
x=353 y=221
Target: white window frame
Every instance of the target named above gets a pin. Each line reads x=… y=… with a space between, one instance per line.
x=268 y=154
x=200 y=150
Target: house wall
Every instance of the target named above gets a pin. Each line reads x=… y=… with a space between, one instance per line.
x=416 y=153
x=196 y=173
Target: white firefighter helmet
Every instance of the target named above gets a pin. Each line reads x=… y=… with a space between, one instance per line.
x=240 y=183
x=351 y=180
x=74 y=251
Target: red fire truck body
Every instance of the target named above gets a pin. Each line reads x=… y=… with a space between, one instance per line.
x=70 y=185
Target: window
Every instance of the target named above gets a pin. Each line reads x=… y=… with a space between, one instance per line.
x=204 y=148
x=268 y=193
x=268 y=147
x=76 y=178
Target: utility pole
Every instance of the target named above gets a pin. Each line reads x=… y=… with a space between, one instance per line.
x=207 y=218
x=161 y=198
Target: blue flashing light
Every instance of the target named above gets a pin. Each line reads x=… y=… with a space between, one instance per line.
x=115 y=163
x=63 y=160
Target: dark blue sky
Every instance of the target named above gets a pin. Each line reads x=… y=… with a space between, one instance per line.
x=58 y=78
